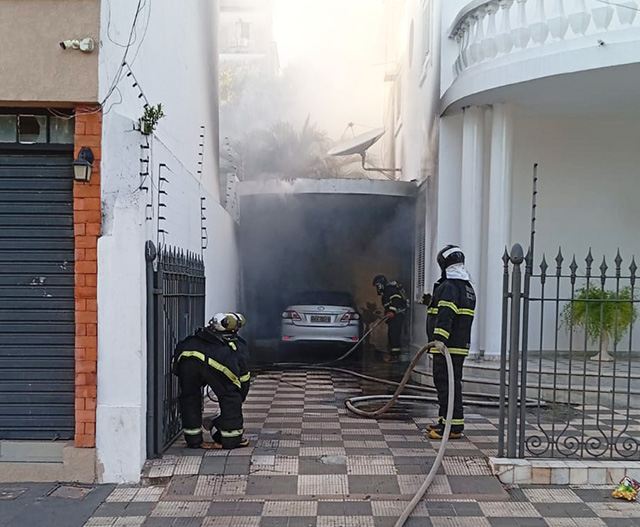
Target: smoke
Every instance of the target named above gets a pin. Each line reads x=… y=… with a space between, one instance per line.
x=292 y=243
x=331 y=54
x=337 y=49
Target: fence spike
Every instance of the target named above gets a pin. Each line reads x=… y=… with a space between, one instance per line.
x=633 y=268
x=505 y=256
x=574 y=267
x=603 y=270
x=544 y=266
x=559 y=258
x=618 y=260
x=589 y=261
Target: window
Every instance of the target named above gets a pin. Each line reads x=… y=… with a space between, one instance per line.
x=243 y=33
x=32 y=129
x=426 y=37
x=410 y=46
x=61 y=130
x=36 y=128
x=8 y=128
x=398 y=100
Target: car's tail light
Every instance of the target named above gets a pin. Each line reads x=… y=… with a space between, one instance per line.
x=292 y=315
x=350 y=316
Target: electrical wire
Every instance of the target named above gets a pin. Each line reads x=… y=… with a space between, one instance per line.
x=618 y=5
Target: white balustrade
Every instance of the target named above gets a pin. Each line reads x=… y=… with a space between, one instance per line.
x=602 y=16
x=539 y=28
x=627 y=11
x=521 y=32
x=579 y=17
x=503 y=39
x=478 y=37
x=558 y=21
x=494 y=28
x=489 y=45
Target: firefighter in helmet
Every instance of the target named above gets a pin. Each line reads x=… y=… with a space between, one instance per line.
x=449 y=319
x=394 y=303
x=218 y=357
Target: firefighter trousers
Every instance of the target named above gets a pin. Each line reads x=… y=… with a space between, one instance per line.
x=441 y=381
x=193 y=375
x=395 y=332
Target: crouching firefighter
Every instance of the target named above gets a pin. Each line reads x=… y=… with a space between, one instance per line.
x=394 y=303
x=449 y=320
x=215 y=356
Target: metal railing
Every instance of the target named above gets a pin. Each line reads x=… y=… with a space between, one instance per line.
x=569 y=343
x=175 y=308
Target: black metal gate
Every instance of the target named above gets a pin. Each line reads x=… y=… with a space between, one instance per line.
x=37 y=321
x=175 y=308
x=569 y=345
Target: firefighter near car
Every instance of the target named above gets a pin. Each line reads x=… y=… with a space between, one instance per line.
x=450 y=315
x=394 y=304
x=214 y=356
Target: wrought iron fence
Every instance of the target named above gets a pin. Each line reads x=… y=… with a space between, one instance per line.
x=570 y=348
x=175 y=308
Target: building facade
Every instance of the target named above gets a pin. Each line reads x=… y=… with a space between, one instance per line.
x=487 y=90
x=73 y=343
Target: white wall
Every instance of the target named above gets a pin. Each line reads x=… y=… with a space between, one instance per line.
x=588 y=184
x=417 y=146
x=587 y=198
x=174 y=59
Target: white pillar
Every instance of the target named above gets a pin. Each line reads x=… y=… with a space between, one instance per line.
x=499 y=218
x=448 y=222
x=471 y=186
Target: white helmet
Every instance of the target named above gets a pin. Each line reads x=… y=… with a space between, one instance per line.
x=227 y=322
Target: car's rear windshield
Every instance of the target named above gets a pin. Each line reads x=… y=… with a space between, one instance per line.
x=327 y=298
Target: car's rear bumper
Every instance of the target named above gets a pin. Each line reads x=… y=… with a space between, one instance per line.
x=346 y=334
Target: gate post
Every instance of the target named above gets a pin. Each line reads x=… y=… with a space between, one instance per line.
x=150 y=254
x=517 y=257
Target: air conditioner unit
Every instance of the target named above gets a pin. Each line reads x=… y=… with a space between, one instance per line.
x=243 y=42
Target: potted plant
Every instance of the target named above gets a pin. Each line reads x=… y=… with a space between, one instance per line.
x=604 y=315
x=149 y=121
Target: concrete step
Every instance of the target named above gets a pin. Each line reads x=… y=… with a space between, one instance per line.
x=483 y=377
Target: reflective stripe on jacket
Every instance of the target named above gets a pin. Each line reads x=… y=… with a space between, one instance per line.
x=450 y=315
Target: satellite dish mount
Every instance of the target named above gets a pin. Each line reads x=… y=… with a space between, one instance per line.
x=359 y=145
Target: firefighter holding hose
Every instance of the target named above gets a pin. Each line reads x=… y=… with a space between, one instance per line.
x=394 y=303
x=218 y=357
x=450 y=316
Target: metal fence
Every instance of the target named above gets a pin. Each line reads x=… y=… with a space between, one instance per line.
x=570 y=349
x=175 y=308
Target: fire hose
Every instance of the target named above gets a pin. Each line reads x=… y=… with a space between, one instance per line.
x=392 y=399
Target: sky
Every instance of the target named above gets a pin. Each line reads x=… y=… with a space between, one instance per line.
x=340 y=44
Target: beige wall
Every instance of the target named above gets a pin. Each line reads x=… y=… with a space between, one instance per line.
x=33 y=66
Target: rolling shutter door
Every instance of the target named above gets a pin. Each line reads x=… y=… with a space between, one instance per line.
x=37 y=324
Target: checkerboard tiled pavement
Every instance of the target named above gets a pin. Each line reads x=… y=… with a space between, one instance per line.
x=311 y=463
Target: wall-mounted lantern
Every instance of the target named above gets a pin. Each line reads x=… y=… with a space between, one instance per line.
x=82 y=166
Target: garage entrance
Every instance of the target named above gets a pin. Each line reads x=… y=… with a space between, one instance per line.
x=322 y=235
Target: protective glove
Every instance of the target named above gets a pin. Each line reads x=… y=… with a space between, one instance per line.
x=426 y=299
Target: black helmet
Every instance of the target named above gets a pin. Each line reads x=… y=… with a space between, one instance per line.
x=449 y=255
x=380 y=279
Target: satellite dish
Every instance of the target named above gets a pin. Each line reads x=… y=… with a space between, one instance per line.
x=358 y=144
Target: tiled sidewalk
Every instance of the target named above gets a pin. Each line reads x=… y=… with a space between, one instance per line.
x=312 y=464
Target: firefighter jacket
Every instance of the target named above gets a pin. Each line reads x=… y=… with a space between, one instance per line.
x=227 y=354
x=450 y=315
x=394 y=299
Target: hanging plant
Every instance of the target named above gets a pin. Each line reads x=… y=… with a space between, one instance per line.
x=149 y=121
x=604 y=315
